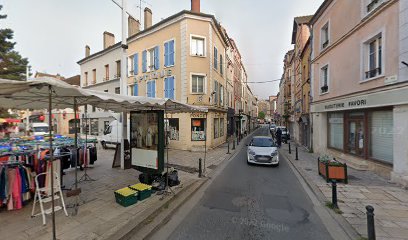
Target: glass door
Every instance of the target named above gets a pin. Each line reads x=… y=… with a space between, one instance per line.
x=356 y=137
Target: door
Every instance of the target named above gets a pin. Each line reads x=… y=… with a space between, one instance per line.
x=356 y=141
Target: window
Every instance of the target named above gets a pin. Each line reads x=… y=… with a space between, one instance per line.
x=221 y=127
x=169 y=87
x=169 y=53
x=151 y=89
x=374 y=56
x=197 y=46
x=197 y=129
x=172 y=128
x=381 y=139
x=221 y=95
x=117 y=69
x=94 y=76
x=71 y=126
x=324 y=79
x=86 y=79
x=134 y=64
x=106 y=78
x=94 y=122
x=215 y=58
x=336 y=130
x=216 y=128
x=106 y=90
x=221 y=65
x=324 y=36
x=197 y=84
x=135 y=90
x=150 y=59
x=215 y=93
x=117 y=90
x=373 y=4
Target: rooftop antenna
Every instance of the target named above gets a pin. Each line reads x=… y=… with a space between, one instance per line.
x=140 y=10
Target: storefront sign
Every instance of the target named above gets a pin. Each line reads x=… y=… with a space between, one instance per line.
x=198 y=115
x=154 y=75
x=391 y=97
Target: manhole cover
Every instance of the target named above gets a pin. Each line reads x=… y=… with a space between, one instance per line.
x=351 y=177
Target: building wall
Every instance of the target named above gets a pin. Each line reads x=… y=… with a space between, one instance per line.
x=338 y=55
x=403 y=40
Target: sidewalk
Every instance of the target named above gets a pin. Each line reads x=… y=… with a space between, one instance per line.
x=99 y=216
x=364 y=188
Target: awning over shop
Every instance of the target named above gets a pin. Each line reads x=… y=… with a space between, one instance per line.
x=34 y=94
x=9 y=120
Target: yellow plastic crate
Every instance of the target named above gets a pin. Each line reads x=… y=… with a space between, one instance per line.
x=126 y=196
x=144 y=190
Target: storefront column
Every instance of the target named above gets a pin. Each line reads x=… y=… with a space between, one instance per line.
x=400 y=168
x=319 y=132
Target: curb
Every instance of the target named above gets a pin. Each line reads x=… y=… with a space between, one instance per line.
x=340 y=220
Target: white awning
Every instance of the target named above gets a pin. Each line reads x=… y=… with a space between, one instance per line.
x=34 y=94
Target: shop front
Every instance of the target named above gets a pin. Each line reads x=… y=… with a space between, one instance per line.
x=367 y=131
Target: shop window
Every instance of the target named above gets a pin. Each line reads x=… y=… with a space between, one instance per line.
x=71 y=126
x=336 y=130
x=172 y=128
x=381 y=137
x=216 y=128
x=221 y=127
x=198 y=129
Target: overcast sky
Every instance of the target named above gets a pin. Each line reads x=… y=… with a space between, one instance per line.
x=52 y=34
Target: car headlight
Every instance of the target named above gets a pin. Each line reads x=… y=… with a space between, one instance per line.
x=274 y=153
x=251 y=153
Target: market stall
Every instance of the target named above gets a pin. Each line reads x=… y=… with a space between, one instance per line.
x=50 y=93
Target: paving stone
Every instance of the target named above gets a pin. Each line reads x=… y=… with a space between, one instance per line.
x=396 y=232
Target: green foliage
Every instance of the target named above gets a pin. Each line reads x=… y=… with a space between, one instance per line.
x=326 y=159
x=261 y=115
x=12 y=64
x=331 y=206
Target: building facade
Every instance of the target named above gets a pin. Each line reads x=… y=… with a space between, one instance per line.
x=359 y=114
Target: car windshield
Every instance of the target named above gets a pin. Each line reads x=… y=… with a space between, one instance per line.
x=262 y=142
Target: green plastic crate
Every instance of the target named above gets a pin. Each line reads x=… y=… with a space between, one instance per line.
x=126 y=196
x=144 y=191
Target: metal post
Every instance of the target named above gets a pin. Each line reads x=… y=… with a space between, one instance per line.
x=297 y=155
x=123 y=82
x=233 y=142
x=370 y=223
x=76 y=143
x=334 y=194
x=290 y=150
x=200 y=168
x=54 y=233
x=228 y=152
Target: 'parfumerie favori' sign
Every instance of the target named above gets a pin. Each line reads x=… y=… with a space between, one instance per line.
x=154 y=75
x=357 y=103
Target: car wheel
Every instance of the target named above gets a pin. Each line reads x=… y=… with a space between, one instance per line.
x=104 y=145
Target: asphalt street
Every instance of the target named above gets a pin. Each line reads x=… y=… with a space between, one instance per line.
x=253 y=202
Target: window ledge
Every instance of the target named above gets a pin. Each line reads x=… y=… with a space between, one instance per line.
x=198 y=56
x=372 y=79
x=198 y=93
x=321 y=94
x=169 y=66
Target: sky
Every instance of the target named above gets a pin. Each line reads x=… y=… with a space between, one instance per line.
x=52 y=34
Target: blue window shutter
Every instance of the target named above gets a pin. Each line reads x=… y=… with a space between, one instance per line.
x=154 y=89
x=215 y=57
x=136 y=64
x=135 y=89
x=166 y=54
x=144 y=61
x=171 y=52
x=156 y=58
x=148 y=89
x=171 y=87
x=165 y=88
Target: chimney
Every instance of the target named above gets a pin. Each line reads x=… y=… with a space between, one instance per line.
x=108 y=39
x=87 y=51
x=133 y=26
x=147 y=18
x=195 y=6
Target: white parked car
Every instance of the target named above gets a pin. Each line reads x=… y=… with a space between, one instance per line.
x=262 y=150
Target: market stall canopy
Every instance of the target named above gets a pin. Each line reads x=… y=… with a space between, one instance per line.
x=9 y=120
x=34 y=94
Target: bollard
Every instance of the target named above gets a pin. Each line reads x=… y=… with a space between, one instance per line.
x=290 y=150
x=200 y=168
x=334 y=194
x=370 y=223
x=238 y=140
x=233 y=144
x=297 y=154
x=228 y=152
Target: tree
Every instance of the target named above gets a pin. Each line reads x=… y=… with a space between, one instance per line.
x=261 y=115
x=12 y=64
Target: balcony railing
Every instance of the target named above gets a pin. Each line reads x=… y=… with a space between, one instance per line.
x=373 y=73
x=106 y=79
x=116 y=76
x=324 y=89
x=325 y=44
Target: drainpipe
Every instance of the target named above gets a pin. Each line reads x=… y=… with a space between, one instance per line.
x=311 y=72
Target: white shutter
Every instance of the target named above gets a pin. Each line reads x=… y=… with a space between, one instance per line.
x=336 y=130
x=381 y=144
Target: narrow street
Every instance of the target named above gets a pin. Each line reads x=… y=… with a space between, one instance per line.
x=253 y=202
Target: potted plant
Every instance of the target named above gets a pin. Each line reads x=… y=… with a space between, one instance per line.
x=331 y=169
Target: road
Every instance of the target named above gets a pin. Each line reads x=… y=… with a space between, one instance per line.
x=252 y=202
